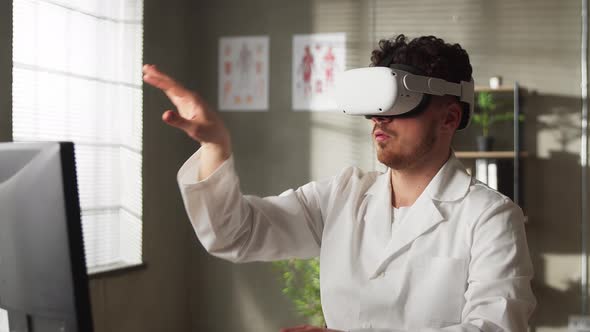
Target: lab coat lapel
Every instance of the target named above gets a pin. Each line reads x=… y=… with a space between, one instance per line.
x=449 y=184
x=422 y=216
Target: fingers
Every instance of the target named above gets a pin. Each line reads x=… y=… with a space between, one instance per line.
x=156 y=78
x=160 y=80
x=175 y=120
x=188 y=103
x=193 y=115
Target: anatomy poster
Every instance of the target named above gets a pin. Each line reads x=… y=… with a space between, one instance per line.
x=317 y=61
x=243 y=73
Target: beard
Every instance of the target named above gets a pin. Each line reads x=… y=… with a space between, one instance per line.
x=397 y=158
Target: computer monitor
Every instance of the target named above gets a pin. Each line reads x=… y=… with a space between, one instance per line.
x=43 y=280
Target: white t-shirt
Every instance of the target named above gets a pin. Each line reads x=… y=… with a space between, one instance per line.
x=398 y=215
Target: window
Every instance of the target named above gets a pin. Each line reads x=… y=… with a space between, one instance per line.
x=77 y=77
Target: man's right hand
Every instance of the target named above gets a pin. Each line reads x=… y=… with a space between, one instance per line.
x=195 y=118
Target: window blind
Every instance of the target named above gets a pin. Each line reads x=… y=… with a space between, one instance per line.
x=347 y=138
x=77 y=77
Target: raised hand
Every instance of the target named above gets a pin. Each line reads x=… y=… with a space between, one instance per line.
x=194 y=115
x=195 y=118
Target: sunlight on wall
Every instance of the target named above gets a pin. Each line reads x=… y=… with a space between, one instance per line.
x=337 y=140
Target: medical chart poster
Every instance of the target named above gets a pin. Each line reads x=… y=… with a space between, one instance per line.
x=318 y=59
x=243 y=73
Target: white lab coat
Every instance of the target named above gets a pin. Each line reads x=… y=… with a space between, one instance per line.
x=458 y=262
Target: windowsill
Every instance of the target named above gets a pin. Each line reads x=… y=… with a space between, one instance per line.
x=114 y=269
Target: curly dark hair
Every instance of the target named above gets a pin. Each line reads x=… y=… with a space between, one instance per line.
x=429 y=54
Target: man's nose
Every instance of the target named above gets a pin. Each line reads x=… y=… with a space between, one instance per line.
x=381 y=119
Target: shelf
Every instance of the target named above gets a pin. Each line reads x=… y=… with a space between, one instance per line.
x=503 y=88
x=488 y=154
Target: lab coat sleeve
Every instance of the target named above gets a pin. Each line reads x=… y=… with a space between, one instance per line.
x=242 y=228
x=499 y=295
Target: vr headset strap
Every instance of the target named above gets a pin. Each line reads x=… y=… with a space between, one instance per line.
x=431 y=85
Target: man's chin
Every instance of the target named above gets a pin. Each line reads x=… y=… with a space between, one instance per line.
x=391 y=160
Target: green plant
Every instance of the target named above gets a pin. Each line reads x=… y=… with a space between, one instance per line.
x=485 y=114
x=301 y=284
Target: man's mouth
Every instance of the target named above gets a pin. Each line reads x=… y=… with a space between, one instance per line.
x=380 y=135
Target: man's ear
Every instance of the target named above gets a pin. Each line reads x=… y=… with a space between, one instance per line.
x=452 y=118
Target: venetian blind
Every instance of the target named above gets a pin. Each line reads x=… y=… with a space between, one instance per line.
x=77 y=77
x=338 y=141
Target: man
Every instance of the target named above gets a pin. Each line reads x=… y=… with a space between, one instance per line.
x=422 y=247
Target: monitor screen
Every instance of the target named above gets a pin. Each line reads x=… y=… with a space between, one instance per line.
x=43 y=280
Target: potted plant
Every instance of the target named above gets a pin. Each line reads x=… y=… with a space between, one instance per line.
x=485 y=116
x=301 y=284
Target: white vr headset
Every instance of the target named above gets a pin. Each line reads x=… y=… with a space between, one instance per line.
x=394 y=91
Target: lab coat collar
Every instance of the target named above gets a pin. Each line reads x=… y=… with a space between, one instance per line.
x=449 y=184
